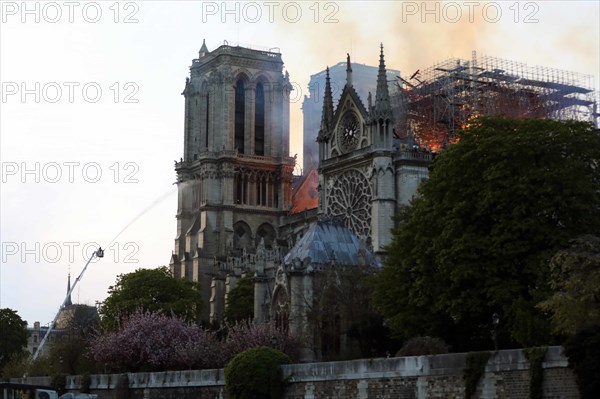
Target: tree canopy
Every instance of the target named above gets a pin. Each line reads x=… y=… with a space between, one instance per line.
x=575 y=281
x=158 y=342
x=240 y=301
x=151 y=290
x=583 y=352
x=13 y=337
x=155 y=342
x=478 y=237
x=69 y=352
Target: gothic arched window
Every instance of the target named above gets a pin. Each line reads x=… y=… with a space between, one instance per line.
x=267 y=233
x=259 y=121
x=262 y=184
x=205 y=114
x=242 y=235
x=281 y=310
x=207 y=118
x=240 y=112
x=241 y=188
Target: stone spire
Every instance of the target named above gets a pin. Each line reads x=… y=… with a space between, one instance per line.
x=327 y=115
x=348 y=71
x=68 y=302
x=203 y=49
x=382 y=96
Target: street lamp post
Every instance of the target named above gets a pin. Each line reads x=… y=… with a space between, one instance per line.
x=495 y=322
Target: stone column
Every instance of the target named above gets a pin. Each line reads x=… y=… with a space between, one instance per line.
x=261 y=299
x=217 y=299
x=301 y=297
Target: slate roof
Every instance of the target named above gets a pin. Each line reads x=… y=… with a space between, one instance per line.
x=324 y=242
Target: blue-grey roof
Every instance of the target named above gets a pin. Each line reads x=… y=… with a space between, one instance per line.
x=325 y=242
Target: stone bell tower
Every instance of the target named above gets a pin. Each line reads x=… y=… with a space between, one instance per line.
x=234 y=179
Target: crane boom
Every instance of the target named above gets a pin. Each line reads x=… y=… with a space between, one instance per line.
x=98 y=253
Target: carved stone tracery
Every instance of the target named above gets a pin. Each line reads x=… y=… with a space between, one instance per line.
x=349 y=201
x=281 y=308
x=349 y=132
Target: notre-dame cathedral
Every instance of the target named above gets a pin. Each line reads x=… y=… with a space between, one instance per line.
x=240 y=207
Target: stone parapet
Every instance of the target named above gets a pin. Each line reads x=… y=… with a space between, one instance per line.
x=506 y=377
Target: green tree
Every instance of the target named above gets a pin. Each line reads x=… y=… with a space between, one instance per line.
x=154 y=290
x=575 y=280
x=583 y=352
x=70 y=352
x=240 y=301
x=345 y=310
x=13 y=336
x=16 y=367
x=477 y=239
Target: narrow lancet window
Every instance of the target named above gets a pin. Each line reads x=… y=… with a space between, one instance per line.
x=207 y=119
x=240 y=108
x=259 y=121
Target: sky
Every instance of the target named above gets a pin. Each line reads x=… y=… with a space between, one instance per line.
x=91 y=112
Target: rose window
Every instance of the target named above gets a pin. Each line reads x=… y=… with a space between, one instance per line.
x=350 y=202
x=349 y=132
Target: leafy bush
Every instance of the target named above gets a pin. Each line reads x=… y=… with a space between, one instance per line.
x=575 y=281
x=255 y=374
x=583 y=351
x=86 y=381
x=419 y=346
x=59 y=383
x=42 y=366
x=122 y=387
x=474 y=370
x=535 y=356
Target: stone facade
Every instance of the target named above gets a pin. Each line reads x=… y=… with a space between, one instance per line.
x=365 y=170
x=310 y=283
x=235 y=177
x=424 y=377
x=364 y=79
x=35 y=335
x=237 y=214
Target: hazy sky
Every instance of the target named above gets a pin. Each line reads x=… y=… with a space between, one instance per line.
x=91 y=116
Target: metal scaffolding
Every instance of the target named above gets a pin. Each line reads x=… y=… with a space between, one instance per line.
x=435 y=103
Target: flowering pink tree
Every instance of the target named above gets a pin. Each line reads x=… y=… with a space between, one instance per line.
x=203 y=352
x=155 y=342
x=152 y=341
x=244 y=335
